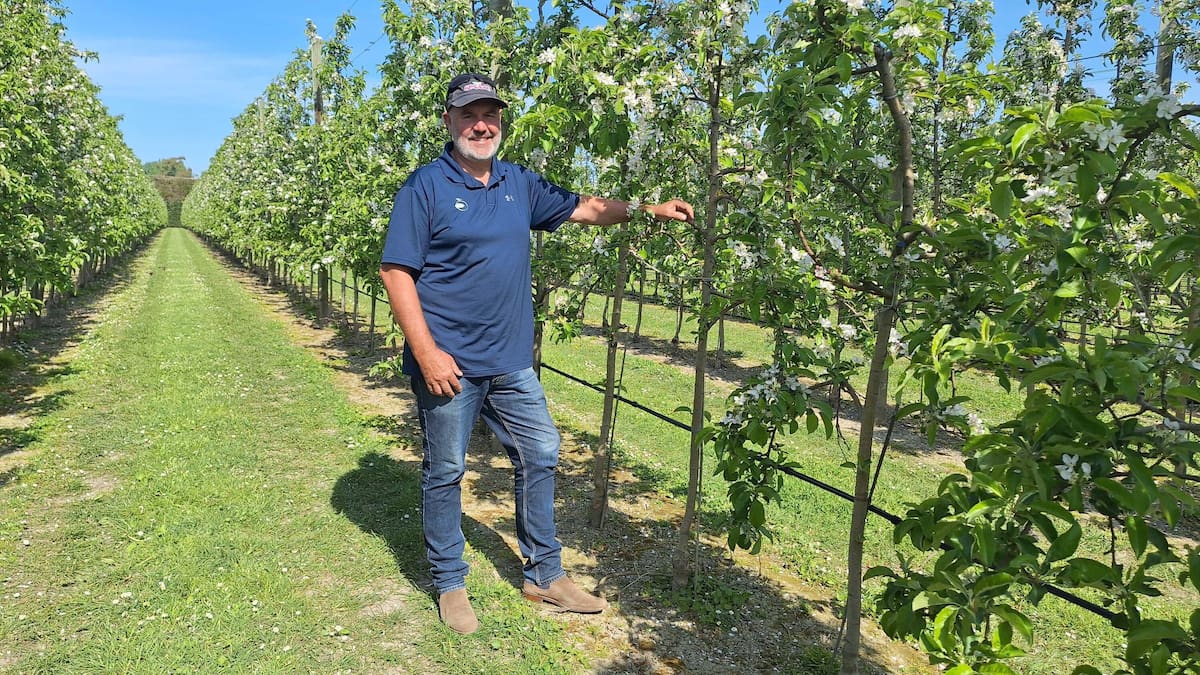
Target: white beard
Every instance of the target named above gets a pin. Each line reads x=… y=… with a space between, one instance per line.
x=465 y=149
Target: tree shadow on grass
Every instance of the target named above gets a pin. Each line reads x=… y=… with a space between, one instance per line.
x=39 y=350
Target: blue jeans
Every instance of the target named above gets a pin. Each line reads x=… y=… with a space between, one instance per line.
x=514 y=406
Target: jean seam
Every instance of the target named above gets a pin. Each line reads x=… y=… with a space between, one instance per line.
x=524 y=505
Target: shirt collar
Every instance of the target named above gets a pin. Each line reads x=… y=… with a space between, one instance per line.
x=454 y=172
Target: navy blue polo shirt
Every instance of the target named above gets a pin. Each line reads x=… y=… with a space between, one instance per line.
x=469 y=244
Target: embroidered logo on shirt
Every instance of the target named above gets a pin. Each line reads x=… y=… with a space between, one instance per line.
x=460 y=204
x=508 y=198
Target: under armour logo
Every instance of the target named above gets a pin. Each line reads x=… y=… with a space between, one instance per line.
x=460 y=205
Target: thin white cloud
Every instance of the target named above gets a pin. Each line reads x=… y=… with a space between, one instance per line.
x=175 y=72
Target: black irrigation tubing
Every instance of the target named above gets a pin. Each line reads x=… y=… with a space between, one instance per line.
x=895 y=520
x=892 y=518
x=639 y=406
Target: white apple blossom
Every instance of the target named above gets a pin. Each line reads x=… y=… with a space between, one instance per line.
x=801 y=258
x=1168 y=108
x=1038 y=193
x=1067 y=469
x=835 y=242
x=831 y=116
x=1108 y=137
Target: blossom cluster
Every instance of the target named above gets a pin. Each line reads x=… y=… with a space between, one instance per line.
x=772 y=381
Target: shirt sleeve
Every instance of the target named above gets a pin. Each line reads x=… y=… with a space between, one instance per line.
x=409 y=228
x=550 y=205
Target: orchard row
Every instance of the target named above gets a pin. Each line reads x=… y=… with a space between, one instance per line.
x=72 y=194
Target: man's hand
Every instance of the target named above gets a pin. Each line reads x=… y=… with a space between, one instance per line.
x=440 y=372
x=676 y=209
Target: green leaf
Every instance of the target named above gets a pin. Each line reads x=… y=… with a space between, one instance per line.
x=996 y=669
x=961 y=669
x=1135 y=529
x=1178 y=182
x=1017 y=620
x=992 y=582
x=758 y=513
x=1168 y=248
x=1021 y=137
x=1117 y=491
x=985 y=543
x=879 y=571
x=1002 y=200
x=1087 y=184
x=1159 y=660
x=1066 y=544
x=1078 y=114
x=943 y=628
x=1169 y=506
x=1071 y=289
x=1081 y=254
x=1087 y=571
x=1146 y=635
x=1190 y=392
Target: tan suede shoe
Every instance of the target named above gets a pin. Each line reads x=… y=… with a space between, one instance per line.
x=564 y=596
x=455 y=609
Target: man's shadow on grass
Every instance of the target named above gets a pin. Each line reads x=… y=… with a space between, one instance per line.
x=383 y=497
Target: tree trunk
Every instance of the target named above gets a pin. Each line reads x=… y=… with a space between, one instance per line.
x=876 y=393
x=637 y=326
x=603 y=458
x=323 y=284
x=721 y=338
x=678 y=314
x=681 y=569
x=885 y=320
x=354 y=311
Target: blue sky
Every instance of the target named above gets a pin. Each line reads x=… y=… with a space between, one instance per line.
x=178 y=72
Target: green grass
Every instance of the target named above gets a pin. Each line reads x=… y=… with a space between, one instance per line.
x=203 y=499
x=199 y=497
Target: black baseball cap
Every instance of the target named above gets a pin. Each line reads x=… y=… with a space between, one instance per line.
x=470 y=87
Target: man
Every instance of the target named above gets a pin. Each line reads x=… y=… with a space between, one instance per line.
x=456 y=266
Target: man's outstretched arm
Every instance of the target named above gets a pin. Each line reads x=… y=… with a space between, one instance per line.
x=594 y=210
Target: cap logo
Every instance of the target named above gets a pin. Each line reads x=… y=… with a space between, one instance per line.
x=476 y=86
